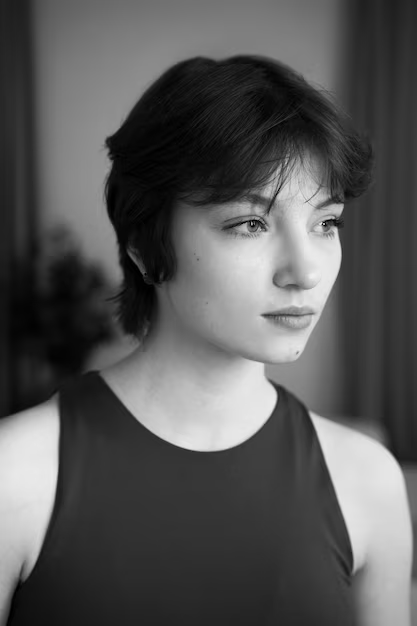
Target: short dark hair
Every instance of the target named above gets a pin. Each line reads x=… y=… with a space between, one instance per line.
x=207 y=132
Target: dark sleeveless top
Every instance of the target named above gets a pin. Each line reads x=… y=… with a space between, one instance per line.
x=146 y=533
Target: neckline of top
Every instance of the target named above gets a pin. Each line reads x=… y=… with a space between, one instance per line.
x=117 y=401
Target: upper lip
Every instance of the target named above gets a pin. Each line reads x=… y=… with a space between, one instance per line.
x=292 y=310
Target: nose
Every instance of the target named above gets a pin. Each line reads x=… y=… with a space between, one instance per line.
x=298 y=264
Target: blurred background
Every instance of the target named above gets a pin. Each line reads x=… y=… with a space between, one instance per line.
x=70 y=72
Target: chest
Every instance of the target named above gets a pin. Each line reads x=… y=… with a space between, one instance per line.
x=346 y=486
x=211 y=546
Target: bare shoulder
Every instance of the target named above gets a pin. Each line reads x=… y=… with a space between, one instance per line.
x=29 y=443
x=382 y=588
x=372 y=493
x=368 y=456
x=362 y=459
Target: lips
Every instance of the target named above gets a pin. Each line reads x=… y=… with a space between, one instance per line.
x=292 y=310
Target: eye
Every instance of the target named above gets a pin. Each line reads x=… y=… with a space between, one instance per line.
x=257 y=225
x=254 y=223
x=337 y=223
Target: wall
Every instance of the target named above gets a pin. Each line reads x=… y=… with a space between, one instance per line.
x=92 y=60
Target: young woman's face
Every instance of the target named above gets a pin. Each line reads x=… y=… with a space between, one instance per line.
x=235 y=265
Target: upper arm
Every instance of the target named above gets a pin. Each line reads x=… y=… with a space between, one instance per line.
x=24 y=439
x=382 y=587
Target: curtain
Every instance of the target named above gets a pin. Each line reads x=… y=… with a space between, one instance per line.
x=17 y=205
x=378 y=279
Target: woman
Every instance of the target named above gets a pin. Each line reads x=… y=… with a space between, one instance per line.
x=188 y=488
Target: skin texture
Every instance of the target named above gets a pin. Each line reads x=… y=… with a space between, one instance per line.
x=208 y=348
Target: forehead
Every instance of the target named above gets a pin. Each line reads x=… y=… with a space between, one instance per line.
x=303 y=185
x=304 y=180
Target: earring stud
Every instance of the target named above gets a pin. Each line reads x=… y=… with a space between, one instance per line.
x=146 y=278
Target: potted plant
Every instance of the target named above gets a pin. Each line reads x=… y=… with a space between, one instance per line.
x=58 y=320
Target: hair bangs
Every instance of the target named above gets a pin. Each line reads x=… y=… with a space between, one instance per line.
x=257 y=163
x=269 y=163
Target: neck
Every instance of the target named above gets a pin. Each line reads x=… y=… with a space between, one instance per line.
x=194 y=392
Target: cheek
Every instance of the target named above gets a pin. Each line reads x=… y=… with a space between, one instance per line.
x=210 y=284
x=213 y=283
x=332 y=259
x=332 y=268
x=337 y=261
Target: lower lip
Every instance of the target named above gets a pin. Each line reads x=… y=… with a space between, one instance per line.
x=296 y=322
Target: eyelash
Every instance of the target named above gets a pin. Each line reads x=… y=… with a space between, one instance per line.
x=337 y=222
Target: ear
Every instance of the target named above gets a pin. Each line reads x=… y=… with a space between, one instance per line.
x=137 y=260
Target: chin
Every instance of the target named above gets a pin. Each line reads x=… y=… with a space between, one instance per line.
x=288 y=357
x=269 y=356
x=284 y=351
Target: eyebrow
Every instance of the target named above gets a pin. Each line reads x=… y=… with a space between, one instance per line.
x=255 y=198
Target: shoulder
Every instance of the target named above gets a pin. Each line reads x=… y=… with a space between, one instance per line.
x=358 y=446
x=29 y=443
x=367 y=460
x=348 y=451
x=382 y=586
